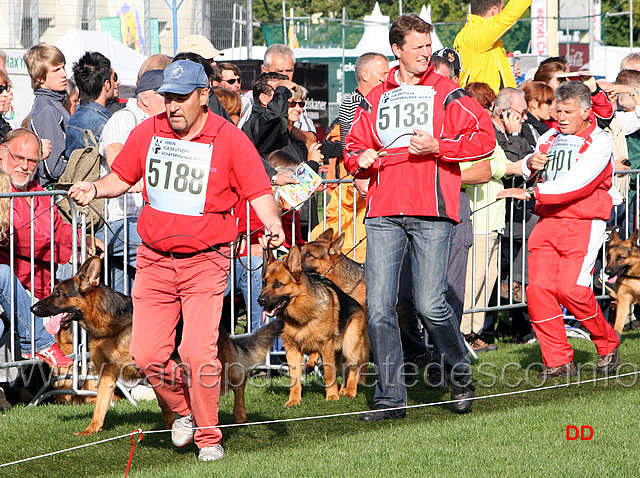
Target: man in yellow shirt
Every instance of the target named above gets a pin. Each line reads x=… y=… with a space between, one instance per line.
x=479 y=43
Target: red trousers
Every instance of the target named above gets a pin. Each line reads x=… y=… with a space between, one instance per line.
x=561 y=261
x=165 y=290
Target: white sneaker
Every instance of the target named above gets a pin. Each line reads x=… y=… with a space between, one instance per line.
x=211 y=453
x=182 y=430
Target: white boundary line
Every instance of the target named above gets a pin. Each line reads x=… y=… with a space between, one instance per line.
x=345 y=414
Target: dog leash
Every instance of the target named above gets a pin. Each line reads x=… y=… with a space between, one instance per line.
x=382 y=150
x=534 y=179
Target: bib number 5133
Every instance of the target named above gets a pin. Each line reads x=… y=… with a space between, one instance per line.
x=403 y=115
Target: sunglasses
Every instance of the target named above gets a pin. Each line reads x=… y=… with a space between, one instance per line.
x=232 y=81
x=294 y=103
x=4 y=88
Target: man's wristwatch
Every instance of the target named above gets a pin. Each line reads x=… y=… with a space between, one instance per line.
x=273 y=179
x=529 y=193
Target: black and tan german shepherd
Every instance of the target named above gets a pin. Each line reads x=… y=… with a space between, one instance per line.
x=623 y=263
x=318 y=318
x=324 y=256
x=107 y=316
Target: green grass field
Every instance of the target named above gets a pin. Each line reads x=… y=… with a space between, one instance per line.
x=517 y=435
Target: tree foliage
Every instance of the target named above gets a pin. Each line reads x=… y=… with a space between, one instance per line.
x=615 y=30
x=448 y=15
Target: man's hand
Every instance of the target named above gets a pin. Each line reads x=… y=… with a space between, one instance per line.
x=537 y=161
x=285 y=178
x=315 y=154
x=137 y=187
x=423 y=143
x=83 y=192
x=516 y=193
x=362 y=186
x=517 y=72
x=288 y=84
x=621 y=166
x=512 y=121
x=590 y=81
x=46 y=148
x=273 y=237
x=366 y=159
x=95 y=247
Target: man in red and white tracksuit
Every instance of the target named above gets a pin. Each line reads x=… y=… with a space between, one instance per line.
x=574 y=202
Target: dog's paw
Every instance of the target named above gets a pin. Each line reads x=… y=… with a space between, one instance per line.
x=349 y=393
x=87 y=432
x=292 y=403
x=333 y=396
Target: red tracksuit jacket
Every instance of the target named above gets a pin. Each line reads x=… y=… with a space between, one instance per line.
x=428 y=185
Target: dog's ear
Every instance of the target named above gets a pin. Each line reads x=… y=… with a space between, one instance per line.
x=326 y=235
x=89 y=274
x=614 y=235
x=634 y=238
x=336 y=246
x=267 y=258
x=294 y=263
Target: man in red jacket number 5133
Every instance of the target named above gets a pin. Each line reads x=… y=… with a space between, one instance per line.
x=408 y=136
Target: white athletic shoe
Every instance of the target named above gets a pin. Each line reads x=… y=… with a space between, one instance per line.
x=182 y=430
x=211 y=453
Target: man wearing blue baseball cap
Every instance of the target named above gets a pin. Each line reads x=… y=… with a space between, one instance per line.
x=194 y=169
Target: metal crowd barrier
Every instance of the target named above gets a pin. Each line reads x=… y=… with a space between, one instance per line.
x=10 y=366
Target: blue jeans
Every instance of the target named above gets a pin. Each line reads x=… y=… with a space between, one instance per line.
x=22 y=313
x=428 y=242
x=241 y=275
x=116 y=247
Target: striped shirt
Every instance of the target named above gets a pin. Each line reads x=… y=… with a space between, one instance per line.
x=346 y=113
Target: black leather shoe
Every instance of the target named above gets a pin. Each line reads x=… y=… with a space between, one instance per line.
x=462 y=393
x=375 y=416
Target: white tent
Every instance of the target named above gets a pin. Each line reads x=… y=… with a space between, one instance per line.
x=125 y=61
x=376 y=33
x=606 y=60
x=425 y=14
x=374 y=39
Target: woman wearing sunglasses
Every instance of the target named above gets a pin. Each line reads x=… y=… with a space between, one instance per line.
x=539 y=97
x=6 y=97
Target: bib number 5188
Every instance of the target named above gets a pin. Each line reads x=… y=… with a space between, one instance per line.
x=179 y=179
x=405 y=115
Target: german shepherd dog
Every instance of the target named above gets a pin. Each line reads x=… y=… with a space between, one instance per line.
x=318 y=318
x=64 y=337
x=623 y=262
x=107 y=316
x=324 y=256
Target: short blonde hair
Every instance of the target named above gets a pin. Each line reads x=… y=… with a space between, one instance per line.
x=38 y=60
x=300 y=94
x=159 y=61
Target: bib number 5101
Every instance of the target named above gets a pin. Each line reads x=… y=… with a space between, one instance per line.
x=403 y=115
x=180 y=179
